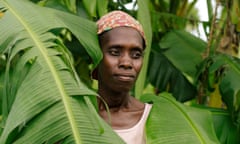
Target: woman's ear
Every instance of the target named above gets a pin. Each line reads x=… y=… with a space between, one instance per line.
x=95 y=74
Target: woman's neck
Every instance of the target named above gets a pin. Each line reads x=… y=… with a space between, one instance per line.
x=114 y=100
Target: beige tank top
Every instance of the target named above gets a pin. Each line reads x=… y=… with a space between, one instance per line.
x=136 y=134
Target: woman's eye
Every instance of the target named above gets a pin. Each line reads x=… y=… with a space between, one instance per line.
x=136 y=54
x=114 y=52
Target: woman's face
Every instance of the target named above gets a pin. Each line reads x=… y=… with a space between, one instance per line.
x=122 y=49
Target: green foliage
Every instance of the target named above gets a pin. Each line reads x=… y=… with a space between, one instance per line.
x=174 y=62
x=44 y=100
x=225 y=129
x=229 y=85
x=185 y=124
x=44 y=51
x=164 y=76
x=144 y=18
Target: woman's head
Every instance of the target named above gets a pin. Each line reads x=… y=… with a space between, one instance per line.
x=122 y=44
x=116 y=19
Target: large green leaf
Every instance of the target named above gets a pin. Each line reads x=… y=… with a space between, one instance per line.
x=144 y=18
x=184 y=51
x=166 y=77
x=47 y=102
x=48 y=20
x=63 y=5
x=174 y=63
x=172 y=122
x=225 y=129
x=229 y=84
x=102 y=6
x=91 y=7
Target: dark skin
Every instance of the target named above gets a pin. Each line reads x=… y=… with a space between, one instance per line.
x=122 y=49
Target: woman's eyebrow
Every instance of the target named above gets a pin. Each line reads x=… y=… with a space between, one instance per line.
x=116 y=46
x=138 y=48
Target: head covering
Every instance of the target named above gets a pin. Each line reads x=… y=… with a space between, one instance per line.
x=116 y=19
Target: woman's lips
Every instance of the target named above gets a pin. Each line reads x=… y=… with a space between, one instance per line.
x=125 y=78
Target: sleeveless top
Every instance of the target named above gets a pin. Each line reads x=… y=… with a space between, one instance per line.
x=136 y=134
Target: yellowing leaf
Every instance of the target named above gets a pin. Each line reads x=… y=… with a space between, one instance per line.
x=215 y=99
x=1 y=14
x=235 y=12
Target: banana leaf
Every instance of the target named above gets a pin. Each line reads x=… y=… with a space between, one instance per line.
x=229 y=83
x=174 y=64
x=43 y=99
x=166 y=77
x=144 y=18
x=184 y=51
x=225 y=129
x=173 y=122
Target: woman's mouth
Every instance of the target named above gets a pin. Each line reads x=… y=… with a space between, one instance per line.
x=125 y=78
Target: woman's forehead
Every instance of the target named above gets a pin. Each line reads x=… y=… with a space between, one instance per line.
x=121 y=36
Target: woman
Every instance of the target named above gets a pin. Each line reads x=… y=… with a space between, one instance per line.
x=122 y=42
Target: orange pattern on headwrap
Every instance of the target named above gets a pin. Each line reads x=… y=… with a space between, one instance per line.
x=118 y=19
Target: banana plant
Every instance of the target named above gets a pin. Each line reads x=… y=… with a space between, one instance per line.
x=177 y=123
x=43 y=99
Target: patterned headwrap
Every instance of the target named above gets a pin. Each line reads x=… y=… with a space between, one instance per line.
x=118 y=19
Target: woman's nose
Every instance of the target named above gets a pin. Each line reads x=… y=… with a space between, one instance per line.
x=125 y=62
